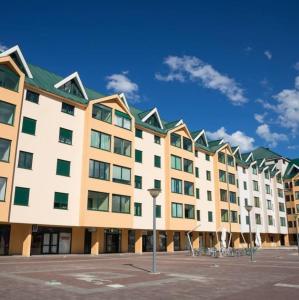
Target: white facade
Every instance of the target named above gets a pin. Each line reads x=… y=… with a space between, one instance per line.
x=42 y=179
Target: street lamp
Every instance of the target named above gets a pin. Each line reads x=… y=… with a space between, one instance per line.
x=154 y=193
x=297 y=231
x=249 y=208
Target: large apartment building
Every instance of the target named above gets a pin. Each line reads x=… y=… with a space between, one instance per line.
x=75 y=167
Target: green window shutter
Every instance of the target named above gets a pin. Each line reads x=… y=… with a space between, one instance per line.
x=138 y=209
x=157 y=161
x=157 y=184
x=25 y=160
x=210 y=216
x=32 y=97
x=21 y=196
x=65 y=136
x=138 y=182
x=138 y=156
x=61 y=200
x=29 y=126
x=196 y=172
x=197 y=193
x=63 y=167
x=158 y=211
x=138 y=133
x=123 y=115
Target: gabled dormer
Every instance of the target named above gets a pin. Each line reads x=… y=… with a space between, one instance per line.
x=236 y=152
x=153 y=118
x=200 y=138
x=72 y=85
x=17 y=56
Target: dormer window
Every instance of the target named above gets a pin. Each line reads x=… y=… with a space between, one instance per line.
x=153 y=120
x=8 y=79
x=72 y=88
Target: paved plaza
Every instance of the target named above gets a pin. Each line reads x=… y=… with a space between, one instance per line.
x=273 y=275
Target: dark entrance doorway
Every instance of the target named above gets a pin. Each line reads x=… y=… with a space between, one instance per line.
x=162 y=241
x=282 y=243
x=176 y=241
x=147 y=241
x=131 y=241
x=87 y=241
x=4 y=239
x=112 y=240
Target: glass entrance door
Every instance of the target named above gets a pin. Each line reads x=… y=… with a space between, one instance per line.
x=112 y=241
x=50 y=243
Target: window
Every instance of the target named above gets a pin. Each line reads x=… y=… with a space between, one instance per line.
x=245 y=185
x=176 y=162
x=187 y=144
x=296 y=183
x=282 y=221
x=21 y=196
x=221 y=157
x=63 y=167
x=122 y=120
x=268 y=190
x=198 y=215
x=68 y=109
x=196 y=153
x=207 y=157
x=297 y=195
x=255 y=185
x=122 y=147
x=244 y=170
x=210 y=216
x=269 y=204
x=278 y=178
x=188 y=166
x=270 y=220
x=176 y=186
x=232 y=197
x=224 y=215
x=230 y=160
x=196 y=172
x=280 y=193
x=8 y=79
x=234 y=216
x=157 y=139
x=158 y=211
x=102 y=113
x=188 y=188
x=65 y=136
x=176 y=210
x=61 y=200
x=281 y=207
x=32 y=97
x=121 y=204
x=256 y=201
x=197 y=192
x=290 y=224
x=7 y=112
x=231 y=178
x=98 y=201
x=157 y=184
x=254 y=170
x=209 y=195
x=138 y=133
x=138 y=156
x=157 y=161
x=175 y=140
x=5 y=150
x=223 y=195
x=121 y=175
x=297 y=208
x=100 y=140
x=138 y=182
x=208 y=175
x=189 y=211
x=222 y=176
x=99 y=170
x=137 y=209
x=258 y=219
x=71 y=87
x=25 y=160
x=29 y=126
x=3 y=183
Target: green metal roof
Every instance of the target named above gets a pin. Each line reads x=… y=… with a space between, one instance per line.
x=214 y=143
x=290 y=165
x=262 y=152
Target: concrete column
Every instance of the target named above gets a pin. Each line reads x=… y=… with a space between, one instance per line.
x=182 y=240
x=170 y=244
x=286 y=240
x=138 y=241
x=236 y=240
x=101 y=234
x=20 y=239
x=195 y=239
x=78 y=234
x=124 y=240
x=95 y=242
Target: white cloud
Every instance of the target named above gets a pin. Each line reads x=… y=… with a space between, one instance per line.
x=3 y=47
x=272 y=138
x=268 y=54
x=296 y=66
x=260 y=117
x=120 y=83
x=192 y=68
x=237 y=138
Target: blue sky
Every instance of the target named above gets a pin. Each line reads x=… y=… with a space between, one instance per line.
x=226 y=66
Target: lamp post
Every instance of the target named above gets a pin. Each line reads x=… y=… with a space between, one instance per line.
x=249 y=208
x=154 y=193
x=297 y=231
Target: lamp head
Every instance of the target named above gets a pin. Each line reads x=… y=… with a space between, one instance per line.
x=154 y=192
x=248 y=207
